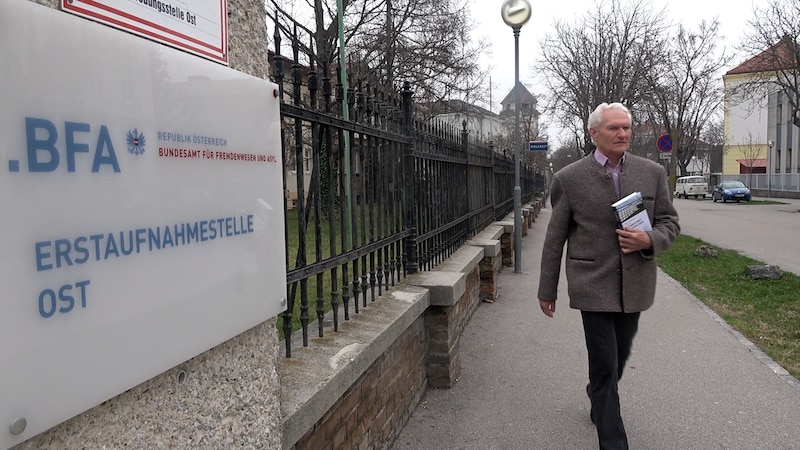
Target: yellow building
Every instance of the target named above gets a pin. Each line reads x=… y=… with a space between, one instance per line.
x=745 y=127
x=761 y=139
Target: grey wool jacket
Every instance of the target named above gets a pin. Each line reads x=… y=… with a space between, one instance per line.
x=599 y=276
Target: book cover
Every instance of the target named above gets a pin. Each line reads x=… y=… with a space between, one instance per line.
x=631 y=212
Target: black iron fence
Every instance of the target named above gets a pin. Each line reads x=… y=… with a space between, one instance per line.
x=376 y=195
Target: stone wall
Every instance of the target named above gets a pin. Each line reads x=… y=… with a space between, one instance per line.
x=226 y=397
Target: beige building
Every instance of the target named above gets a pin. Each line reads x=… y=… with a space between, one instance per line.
x=484 y=125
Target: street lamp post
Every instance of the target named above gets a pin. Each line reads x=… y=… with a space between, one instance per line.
x=515 y=14
x=770 y=143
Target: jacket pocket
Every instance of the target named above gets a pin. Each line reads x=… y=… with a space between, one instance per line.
x=575 y=258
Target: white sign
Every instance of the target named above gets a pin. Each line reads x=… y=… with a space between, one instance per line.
x=665 y=155
x=142 y=218
x=197 y=26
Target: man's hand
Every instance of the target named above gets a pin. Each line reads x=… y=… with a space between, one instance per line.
x=548 y=307
x=633 y=240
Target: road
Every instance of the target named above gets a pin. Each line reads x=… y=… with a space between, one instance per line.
x=767 y=233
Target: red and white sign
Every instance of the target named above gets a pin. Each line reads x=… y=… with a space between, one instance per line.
x=198 y=26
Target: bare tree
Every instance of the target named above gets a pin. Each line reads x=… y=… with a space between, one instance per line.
x=644 y=141
x=428 y=44
x=714 y=136
x=566 y=154
x=608 y=55
x=751 y=153
x=687 y=91
x=424 y=42
x=714 y=132
x=772 y=40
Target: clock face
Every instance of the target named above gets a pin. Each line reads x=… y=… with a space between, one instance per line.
x=515 y=12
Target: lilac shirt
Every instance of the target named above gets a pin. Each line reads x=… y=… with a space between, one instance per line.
x=611 y=170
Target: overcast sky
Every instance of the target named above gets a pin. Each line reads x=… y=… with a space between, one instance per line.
x=732 y=15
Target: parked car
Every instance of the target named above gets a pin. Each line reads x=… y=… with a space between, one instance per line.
x=694 y=185
x=730 y=190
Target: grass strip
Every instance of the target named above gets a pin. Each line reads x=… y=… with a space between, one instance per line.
x=767 y=312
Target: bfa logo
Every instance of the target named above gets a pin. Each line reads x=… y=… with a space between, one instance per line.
x=44 y=154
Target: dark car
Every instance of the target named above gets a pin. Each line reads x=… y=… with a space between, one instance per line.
x=730 y=190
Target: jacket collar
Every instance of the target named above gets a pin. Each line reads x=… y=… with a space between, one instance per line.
x=602 y=159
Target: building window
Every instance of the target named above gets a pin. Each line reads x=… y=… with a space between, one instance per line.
x=788 y=160
x=777 y=164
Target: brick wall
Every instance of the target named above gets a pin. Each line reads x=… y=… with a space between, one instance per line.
x=445 y=325
x=507 y=249
x=374 y=409
x=489 y=270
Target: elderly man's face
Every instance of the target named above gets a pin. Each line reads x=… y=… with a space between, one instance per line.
x=613 y=136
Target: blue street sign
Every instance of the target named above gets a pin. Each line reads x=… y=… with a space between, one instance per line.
x=538 y=146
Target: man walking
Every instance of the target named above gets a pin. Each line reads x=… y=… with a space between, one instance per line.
x=611 y=272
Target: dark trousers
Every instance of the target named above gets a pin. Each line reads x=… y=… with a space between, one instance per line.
x=609 y=337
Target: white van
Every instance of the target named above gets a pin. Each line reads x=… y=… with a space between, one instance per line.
x=694 y=185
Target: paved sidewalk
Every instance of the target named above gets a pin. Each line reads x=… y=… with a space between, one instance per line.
x=691 y=382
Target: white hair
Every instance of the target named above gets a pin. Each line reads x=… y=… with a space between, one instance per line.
x=596 y=116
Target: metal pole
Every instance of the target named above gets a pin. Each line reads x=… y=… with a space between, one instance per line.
x=769 y=169
x=346 y=116
x=517 y=189
x=515 y=14
x=769 y=181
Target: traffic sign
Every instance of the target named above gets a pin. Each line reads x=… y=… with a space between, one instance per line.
x=664 y=143
x=538 y=146
x=665 y=155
